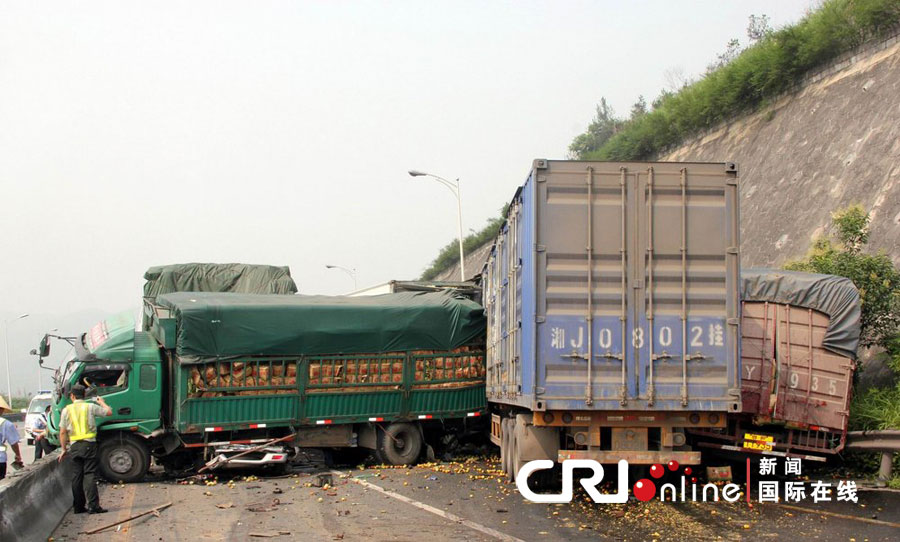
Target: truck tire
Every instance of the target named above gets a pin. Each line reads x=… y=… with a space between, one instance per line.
x=504 y=445
x=123 y=458
x=513 y=452
x=399 y=444
x=508 y=428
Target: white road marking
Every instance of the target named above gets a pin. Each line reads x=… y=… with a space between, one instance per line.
x=422 y=506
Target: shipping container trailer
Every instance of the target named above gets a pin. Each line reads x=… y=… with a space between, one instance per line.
x=799 y=336
x=611 y=294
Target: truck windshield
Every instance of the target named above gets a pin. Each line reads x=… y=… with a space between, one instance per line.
x=38 y=405
x=68 y=366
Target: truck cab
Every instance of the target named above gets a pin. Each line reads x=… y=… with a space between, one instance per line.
x=124 y=366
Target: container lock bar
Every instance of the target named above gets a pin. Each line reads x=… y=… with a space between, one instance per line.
x=589 y=252
x=623 y=315
x=684 y=335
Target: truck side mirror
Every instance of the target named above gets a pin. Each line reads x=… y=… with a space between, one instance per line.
x=44 y=348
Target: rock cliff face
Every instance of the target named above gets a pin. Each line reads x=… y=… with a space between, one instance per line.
x=834 y=142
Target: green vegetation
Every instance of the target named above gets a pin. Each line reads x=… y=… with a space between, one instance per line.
x=876 y=408
x=874 y=275
x=739 y=81
x=878 y=282
x=449 y=255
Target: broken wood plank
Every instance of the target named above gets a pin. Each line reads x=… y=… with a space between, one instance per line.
x=154 y=511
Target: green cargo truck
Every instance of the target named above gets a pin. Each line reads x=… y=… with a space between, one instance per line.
x=216 y=375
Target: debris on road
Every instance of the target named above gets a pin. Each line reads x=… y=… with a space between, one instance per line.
x=264 y=507
x=154 y=511
x=220 y=459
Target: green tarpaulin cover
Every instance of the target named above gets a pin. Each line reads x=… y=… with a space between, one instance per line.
x=221 y=325
x=218 y=277
x=835 y=296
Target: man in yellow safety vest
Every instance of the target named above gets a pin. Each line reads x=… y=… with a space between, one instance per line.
x=78 y=439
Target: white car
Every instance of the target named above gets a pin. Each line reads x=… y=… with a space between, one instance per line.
x=35 y=408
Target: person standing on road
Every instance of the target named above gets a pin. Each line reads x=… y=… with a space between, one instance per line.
x=8 y=435
x=78 y=439
x=42 y=446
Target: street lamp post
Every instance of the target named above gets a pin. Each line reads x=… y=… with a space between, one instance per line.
x=6 y=342
x=351 y=272
x=454 y=188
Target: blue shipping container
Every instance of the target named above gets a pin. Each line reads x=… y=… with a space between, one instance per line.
x=614 y=286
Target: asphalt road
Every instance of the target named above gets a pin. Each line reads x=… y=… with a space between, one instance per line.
x=462 y=500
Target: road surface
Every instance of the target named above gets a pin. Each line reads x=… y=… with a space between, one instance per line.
x=456 y=501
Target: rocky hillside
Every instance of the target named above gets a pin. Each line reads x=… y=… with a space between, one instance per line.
x=834 y=142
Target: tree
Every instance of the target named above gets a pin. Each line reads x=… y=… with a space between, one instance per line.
x=732 y=50
x=758 y=28
x=639 y=109
x=599 y=131
x=874 y=275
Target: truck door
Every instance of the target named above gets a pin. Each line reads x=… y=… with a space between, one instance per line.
x=130 y=389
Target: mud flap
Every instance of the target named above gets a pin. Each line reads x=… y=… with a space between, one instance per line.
x=536 y=442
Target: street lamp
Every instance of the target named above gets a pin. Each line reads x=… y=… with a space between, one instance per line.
x=8 y=378
x=351 y=272
x=453 y=186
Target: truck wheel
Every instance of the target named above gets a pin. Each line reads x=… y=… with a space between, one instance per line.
x=512 y=453
x=123 y=458
x=399 y=444
x=508 y=428
x=504 y=445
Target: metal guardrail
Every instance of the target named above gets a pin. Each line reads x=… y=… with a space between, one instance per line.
x=887 y=442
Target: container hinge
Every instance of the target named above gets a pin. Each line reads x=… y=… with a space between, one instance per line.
x=733 y=321
x=539 y=391
x=540 y=319
x=734 y=392
x=731 y=167
x=732 y=250
x=540 y=163
x=540 y=248
x=695 y=356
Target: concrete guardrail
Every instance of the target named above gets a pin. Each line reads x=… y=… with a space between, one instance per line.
x=34 y=500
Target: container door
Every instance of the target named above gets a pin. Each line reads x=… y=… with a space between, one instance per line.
x=583 y=288
x=686 y=271
x=813 y=384
x=758 y=357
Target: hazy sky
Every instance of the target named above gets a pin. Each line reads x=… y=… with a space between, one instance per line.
x=141 y=133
